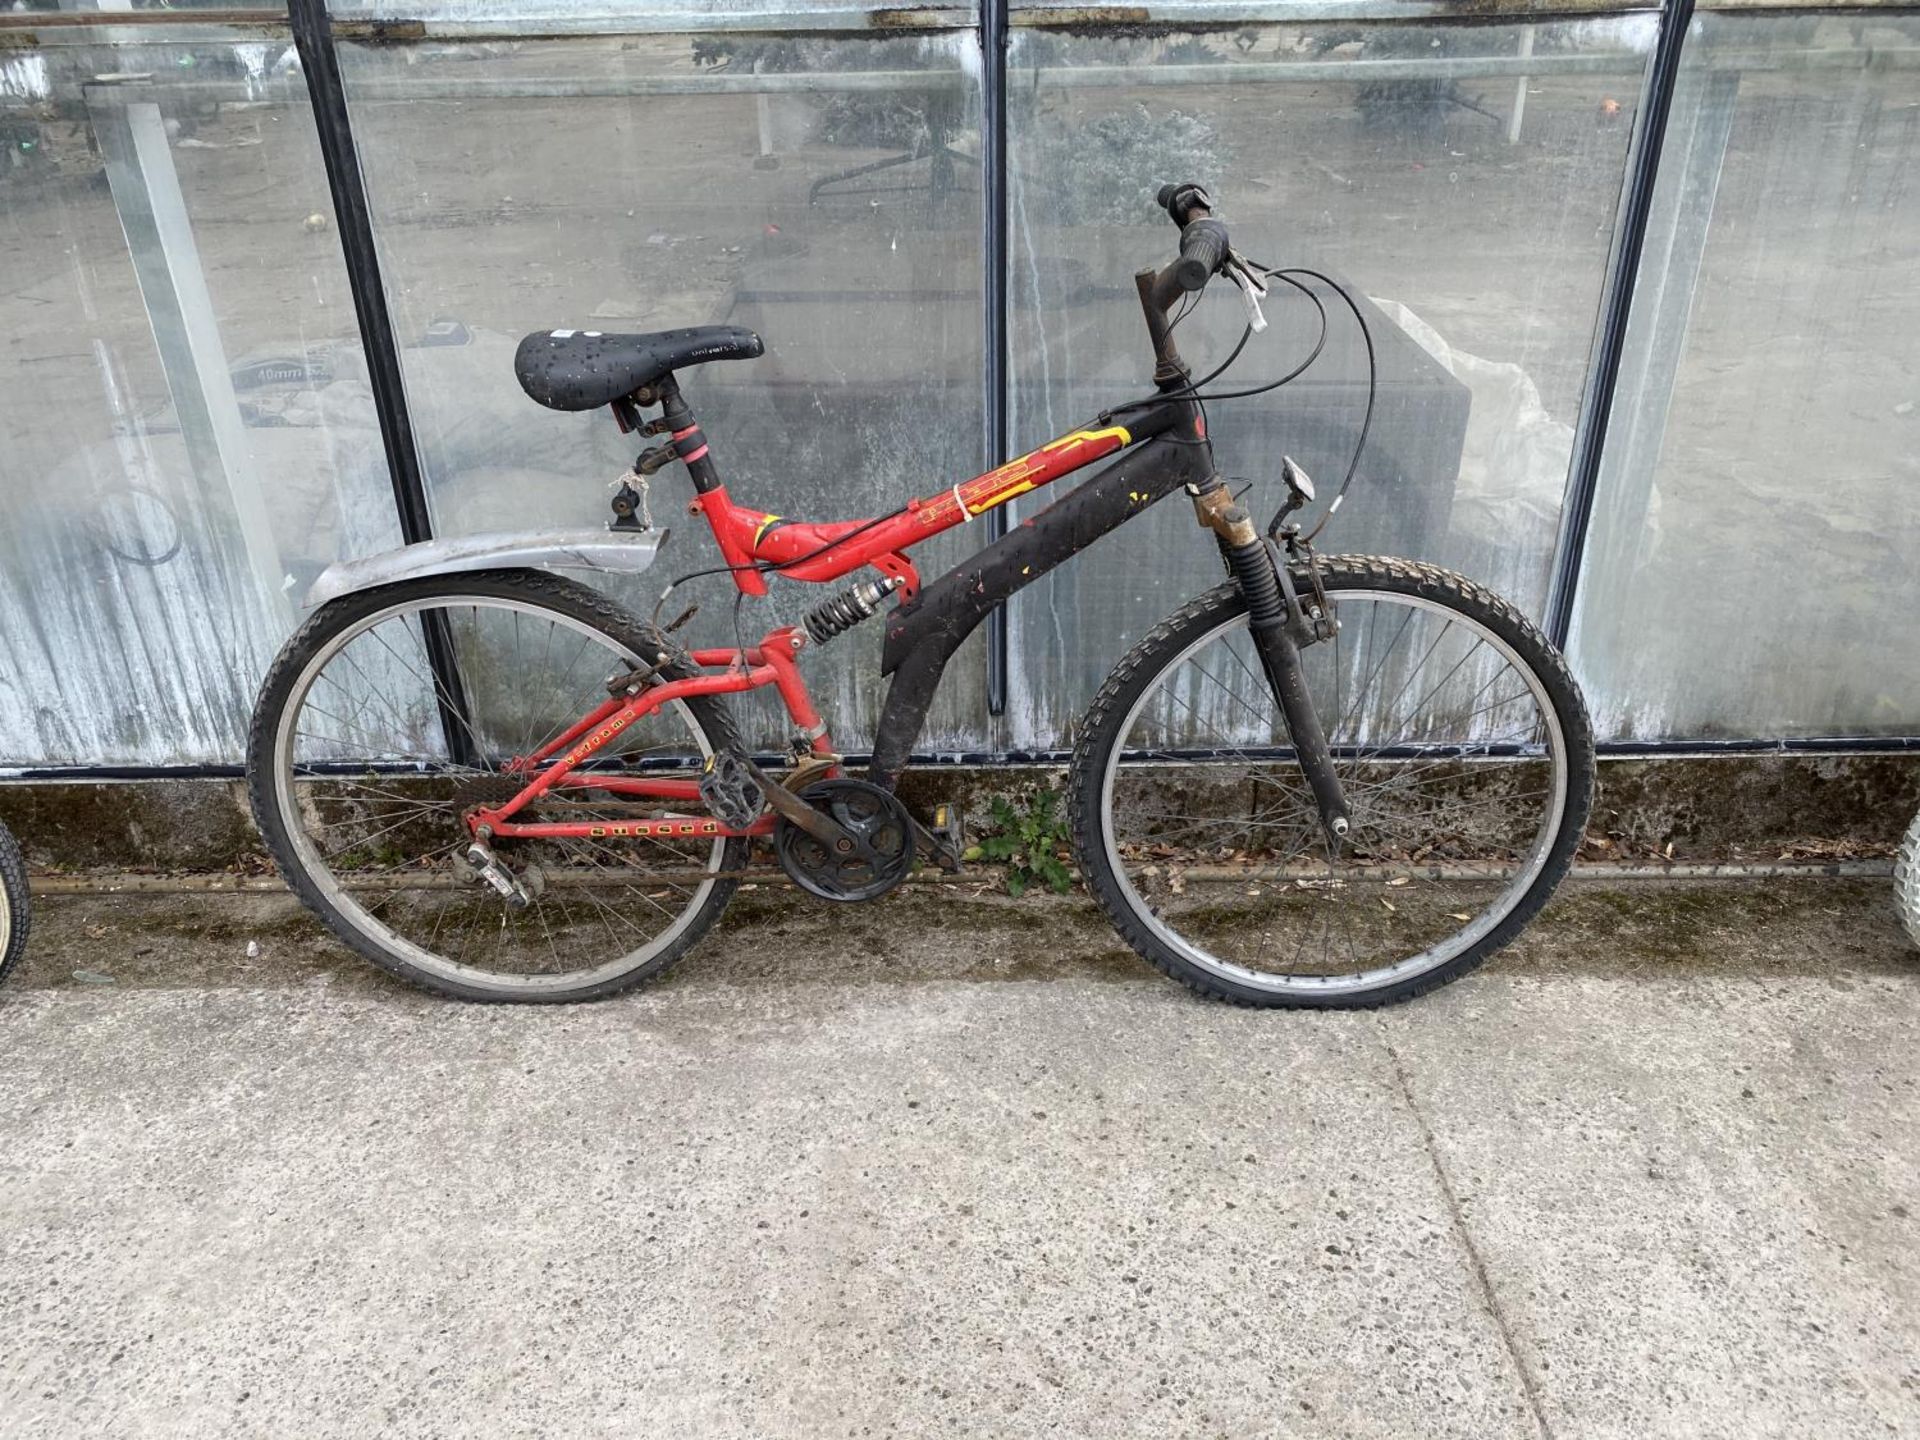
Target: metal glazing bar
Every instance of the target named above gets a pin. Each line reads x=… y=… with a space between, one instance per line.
x=1643 y=173
x=437 y=20
x=441 y=20
x=122 y=19
x=1238 y=13
x=572 y=85
x=948 y=759
x=993 y=172
x=313 y=38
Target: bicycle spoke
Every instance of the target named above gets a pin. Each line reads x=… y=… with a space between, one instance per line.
x=1445 y=760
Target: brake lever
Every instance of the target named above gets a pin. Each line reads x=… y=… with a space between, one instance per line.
x=1252 y=288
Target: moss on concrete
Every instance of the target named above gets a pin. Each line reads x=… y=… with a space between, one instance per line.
x=1726 y=807
x=932 y=934
x=134 y=825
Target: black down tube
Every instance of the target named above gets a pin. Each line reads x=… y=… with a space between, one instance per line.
x=922 y=636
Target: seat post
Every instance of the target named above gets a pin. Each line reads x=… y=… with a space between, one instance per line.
x=688 y=443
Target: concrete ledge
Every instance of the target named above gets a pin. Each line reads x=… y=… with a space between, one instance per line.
x=1712 y=809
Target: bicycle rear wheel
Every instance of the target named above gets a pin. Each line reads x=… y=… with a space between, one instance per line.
x=1464 y=751
x=362 y=761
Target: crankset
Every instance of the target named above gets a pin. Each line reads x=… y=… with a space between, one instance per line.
x=874 y=854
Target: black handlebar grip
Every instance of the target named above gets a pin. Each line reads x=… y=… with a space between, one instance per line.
x=1203 y=247
x=1180 y=200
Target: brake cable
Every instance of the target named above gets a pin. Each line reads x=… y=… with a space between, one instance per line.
x=1193 y=391
x=1373 y=386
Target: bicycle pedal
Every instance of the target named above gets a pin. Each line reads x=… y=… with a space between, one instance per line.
x=729 y=790
x=944 y=839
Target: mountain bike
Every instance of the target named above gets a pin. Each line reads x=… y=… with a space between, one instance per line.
x=1327 y=781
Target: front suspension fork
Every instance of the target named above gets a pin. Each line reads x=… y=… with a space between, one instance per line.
x=1272 y=625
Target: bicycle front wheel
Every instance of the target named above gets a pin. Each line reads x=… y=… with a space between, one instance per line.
x=1460 y=740
x=393 y=712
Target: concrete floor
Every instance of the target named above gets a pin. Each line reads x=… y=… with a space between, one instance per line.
x=1654 y=1174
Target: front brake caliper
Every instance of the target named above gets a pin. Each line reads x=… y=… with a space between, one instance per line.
x=1312 y=619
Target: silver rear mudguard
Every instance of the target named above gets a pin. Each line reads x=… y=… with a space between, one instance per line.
x=611 y=552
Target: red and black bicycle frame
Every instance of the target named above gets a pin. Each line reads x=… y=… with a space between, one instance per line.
x=1160 y=448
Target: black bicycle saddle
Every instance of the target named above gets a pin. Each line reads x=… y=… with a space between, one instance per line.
x=584 y=369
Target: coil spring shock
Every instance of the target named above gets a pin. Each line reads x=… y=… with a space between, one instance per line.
x=843 y=612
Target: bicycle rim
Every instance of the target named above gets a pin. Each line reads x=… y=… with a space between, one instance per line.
x=370 y=796
x=1454 y=760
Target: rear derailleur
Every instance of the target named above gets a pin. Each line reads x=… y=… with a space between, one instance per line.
x=478 y=865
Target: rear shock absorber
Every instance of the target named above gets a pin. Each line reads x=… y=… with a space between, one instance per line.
x=843 y=612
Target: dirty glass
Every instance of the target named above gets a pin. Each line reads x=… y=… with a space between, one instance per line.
x=1461 y=182
x=190 y=437
x=594 y=15
x=52 y=7
x=822 y=192
x=1754 y=558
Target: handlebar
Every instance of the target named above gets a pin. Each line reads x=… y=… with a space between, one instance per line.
x=1203 y=246
x=1203 y=243
x=1203 y=249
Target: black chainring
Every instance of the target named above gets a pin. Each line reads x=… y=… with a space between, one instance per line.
x=878 y=853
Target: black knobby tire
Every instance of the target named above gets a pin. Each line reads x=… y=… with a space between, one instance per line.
x=15 y=911
x=1138 y=672
x=1906 y=881
x=565 y=597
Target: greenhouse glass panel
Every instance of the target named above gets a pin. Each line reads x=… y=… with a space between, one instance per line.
x=1461 y=182
x=191 y=437
x=1755 y=550
x=822 y=192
